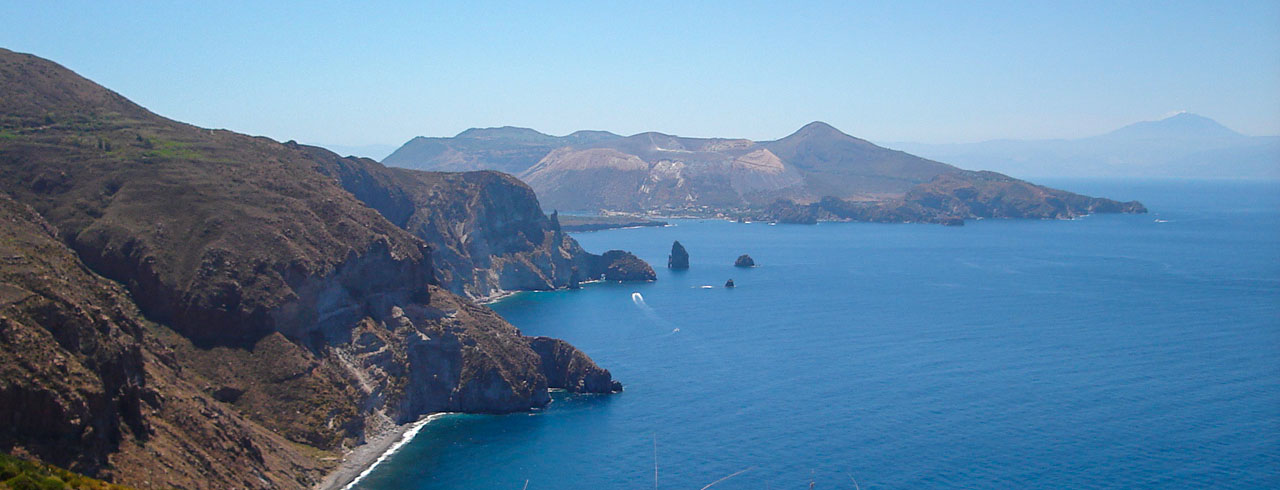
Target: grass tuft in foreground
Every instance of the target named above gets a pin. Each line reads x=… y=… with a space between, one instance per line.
x=20 y=474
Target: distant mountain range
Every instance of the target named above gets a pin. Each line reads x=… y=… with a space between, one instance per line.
x=818 y=172
x=1181 y=146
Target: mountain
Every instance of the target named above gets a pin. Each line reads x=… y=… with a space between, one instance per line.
x=836 y=164
x=196 y=308
x=856 y=179
x=506 y=149
x=1184 y=145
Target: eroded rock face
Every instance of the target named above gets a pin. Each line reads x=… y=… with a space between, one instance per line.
x=679 y=258
x=568 y=368
x=744 y=260
x=71 y=366
x=85 y=384
x=462 y=357
x=487 y=232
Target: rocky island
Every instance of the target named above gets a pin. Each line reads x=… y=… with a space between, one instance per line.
x=195 y=308
x=744 y=260
x=816 y=174
x=679 y=257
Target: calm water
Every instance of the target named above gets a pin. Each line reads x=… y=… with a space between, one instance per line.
x=1111 y=351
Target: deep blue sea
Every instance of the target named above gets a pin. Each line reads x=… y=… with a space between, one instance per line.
x=1113 y=351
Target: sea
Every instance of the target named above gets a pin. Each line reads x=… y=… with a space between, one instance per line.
x=1110 y=351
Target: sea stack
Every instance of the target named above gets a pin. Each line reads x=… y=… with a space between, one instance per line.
x=729 y=283
x=679 y=258
x=744 y=260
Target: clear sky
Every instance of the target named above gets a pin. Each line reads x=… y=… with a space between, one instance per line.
x=354 y=73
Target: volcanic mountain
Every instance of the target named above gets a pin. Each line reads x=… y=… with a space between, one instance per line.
x=847 y=177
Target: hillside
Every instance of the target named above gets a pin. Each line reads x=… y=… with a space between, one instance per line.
x=487 y=233
x=186 y=307
x=671 y=175
x=1184 y=145
x=506 y=149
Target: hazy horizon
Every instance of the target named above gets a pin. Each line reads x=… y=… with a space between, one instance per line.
x=878 y=142
x=381 y=74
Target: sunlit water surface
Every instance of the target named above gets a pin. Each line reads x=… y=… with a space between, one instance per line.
x=1111 y=351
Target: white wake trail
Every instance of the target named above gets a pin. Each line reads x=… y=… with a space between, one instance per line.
x=649 y=313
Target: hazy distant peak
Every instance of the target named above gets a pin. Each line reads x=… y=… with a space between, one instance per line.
x=650 y=134
x=818 y=129
x=591 y=133
x=584 y=137
x=1180 y=125
x=504 y=132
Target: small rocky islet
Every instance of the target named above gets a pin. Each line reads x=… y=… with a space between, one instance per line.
x=679 y=258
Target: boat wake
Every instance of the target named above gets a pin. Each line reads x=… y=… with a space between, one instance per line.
x=648 y=312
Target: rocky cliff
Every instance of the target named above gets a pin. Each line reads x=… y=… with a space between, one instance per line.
x=85 y=383
x=280 y=318
x=487 y=233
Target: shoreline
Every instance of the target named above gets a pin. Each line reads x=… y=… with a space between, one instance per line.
x=361 y=460
x=494 y=298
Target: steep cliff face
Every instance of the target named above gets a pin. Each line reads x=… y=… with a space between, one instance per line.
x=85 y=384
x=570 y=369
x=491 y=235
x=278 y=319
x=488 y=235
x=72 y=364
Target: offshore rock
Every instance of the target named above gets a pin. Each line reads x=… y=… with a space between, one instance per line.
x=679 y=258
x=620 y=265
x=729 y=283
x=744 y=260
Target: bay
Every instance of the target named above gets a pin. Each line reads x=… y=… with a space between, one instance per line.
x=1113 y=351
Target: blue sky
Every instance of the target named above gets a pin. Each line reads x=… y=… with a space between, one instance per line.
x=352 y=73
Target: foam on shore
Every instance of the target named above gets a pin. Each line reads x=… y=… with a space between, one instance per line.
x=405 y=437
